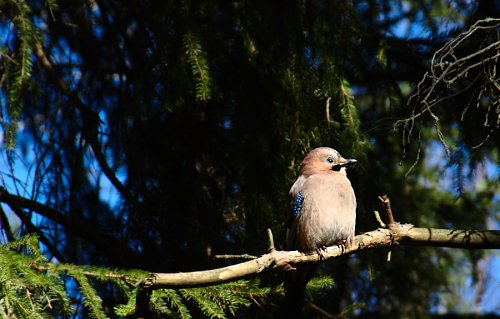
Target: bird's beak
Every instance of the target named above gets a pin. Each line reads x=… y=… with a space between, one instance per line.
x=348 y=162
x=344 y=163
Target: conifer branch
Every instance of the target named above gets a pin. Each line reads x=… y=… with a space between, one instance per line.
x=22 y=67
x=91 y=122
x=82 y=228
x=199 y=66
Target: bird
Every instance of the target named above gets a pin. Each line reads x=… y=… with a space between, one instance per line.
x=323 y=212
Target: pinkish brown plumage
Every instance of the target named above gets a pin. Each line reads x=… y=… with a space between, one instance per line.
x=323 y=213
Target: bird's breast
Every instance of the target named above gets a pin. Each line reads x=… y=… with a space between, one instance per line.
x=328 y=213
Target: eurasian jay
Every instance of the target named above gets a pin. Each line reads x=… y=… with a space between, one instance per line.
x=323 y=213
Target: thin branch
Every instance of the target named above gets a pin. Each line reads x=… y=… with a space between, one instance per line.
x=90 y=119
x=327 y=111
x=31 y=228
x=109 y=275
x=450 y=69
x=242 y=256
x=271 y=240
x=386 y=203
x=5 y=225
x=379 y=220
x=81 y=228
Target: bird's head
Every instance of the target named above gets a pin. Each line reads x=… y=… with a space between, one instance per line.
x=324 y=159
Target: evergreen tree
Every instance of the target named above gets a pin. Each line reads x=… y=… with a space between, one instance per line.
x=154 y=135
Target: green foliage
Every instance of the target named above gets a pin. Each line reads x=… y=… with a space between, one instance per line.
x=52 y=6
x=352 y=127
x=279 y=80
x=28 y=289
x=19 y=69
x=220 y=301
x=174 y=300
x=91 y=299
x=198 y=62
x=319 y=282
x=32 y=287
x=208 y=306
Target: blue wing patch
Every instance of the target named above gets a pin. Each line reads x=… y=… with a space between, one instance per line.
x=296 y=208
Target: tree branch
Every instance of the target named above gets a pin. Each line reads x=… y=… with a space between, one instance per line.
x=91 y=122
x=454 y=72
x=404 y=234
x=393 y=234
x=112 y=246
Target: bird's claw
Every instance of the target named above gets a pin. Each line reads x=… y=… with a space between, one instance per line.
x=321 y=252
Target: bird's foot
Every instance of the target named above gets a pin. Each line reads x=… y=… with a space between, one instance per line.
x=321 y=252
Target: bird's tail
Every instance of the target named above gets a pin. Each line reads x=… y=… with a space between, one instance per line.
x=294 y=299
x=295 y=288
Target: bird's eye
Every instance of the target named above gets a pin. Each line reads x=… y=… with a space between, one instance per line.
x=329 y=160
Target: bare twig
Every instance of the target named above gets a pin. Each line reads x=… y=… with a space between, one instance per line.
x=379 y=220
x=452 y=75
x=271 y=240
x=242 y=256
x=327 y=111
x=323 y=313
x=386 y=203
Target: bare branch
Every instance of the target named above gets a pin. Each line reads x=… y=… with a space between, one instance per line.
x=393 y=234
x=386 y=204
x=242 y=256
x=455 y=73
x=404 y=234
x=271 y=240
x=379 y=220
